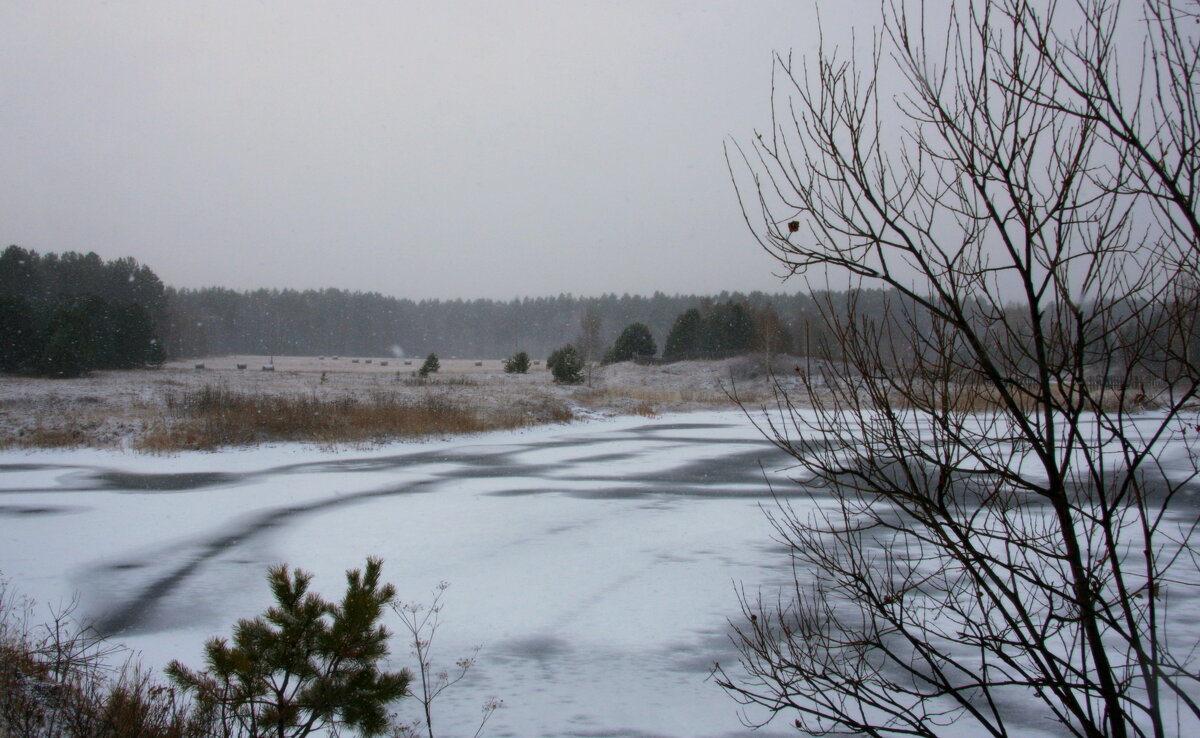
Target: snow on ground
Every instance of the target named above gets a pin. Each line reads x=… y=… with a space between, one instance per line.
x=112 y=409
x=594 y=563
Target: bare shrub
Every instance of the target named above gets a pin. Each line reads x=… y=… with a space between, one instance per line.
x=58 y=679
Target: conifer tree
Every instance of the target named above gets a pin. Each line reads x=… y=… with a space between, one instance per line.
x=633 y=343
x=518 y=363
x=683 y=342
x=566 y=365
x=430 y=366
x=305 y=665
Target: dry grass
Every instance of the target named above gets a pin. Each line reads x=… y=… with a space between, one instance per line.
x=622 y=395
x=650 y=402
x=537 y=409
x=215 y=416
x=969 y=398
x=44 y=435
x=58 y=680
x=432 y=380
x=329 y=404
x=646 y=410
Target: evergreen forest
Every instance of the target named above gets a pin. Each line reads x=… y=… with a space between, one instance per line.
x=65 y=314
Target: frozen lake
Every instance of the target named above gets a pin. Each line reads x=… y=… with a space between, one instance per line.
x=595 y=563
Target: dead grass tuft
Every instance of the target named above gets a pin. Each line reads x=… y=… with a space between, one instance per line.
x=646 y=410
x=71 y=436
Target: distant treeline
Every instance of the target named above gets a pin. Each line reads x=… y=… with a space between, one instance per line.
x=62 y=315
x=66 y=315
x=899 y=331
x=215 y=321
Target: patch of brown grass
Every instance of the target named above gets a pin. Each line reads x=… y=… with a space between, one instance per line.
x=969 y=398
x=69 y=435
x=214 y=416
x=536 y=409
x=433 y=380
x=646 y=410
x=636 y=399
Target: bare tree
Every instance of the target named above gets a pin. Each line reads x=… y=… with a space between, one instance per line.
x=997 y=532
x=590 y=342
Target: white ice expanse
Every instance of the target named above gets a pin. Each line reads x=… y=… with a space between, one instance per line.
x=595 y=564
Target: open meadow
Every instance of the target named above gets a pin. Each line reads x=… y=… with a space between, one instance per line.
x=212 y=403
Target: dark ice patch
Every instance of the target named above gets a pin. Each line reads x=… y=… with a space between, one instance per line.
x=118 y=480
x=535 y=648
x=4 y=468
x=30 y=510
x=660 y=427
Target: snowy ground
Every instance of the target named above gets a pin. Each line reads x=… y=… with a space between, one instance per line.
x=114 y=409
x=594 y=563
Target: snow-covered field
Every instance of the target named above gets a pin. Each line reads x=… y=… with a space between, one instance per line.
x=594 y=563
x=115 y=409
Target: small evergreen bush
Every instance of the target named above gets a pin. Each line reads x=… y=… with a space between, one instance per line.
x=430 y=366
x=306 y=665
x=517 y=364
x=566 y=365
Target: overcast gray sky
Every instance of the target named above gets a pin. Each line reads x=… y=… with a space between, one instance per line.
x=456 y=149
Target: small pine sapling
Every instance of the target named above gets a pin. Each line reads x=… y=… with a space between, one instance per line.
x=566 y=365
x=430 y=366
x=305 y=665
x=517 y=363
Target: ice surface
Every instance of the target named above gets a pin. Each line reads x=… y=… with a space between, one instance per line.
x=595 y=564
